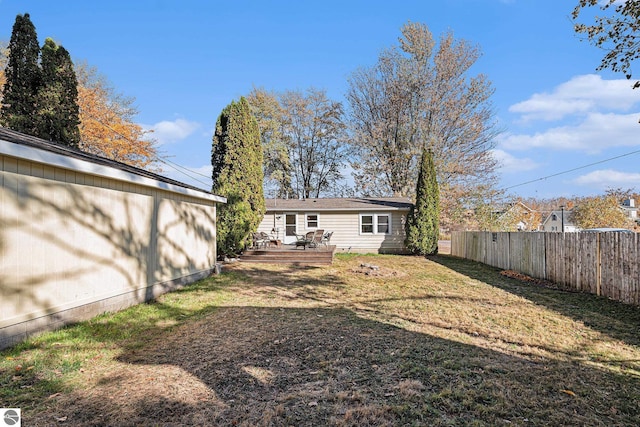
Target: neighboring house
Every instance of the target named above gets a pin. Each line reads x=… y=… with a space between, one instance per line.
x=81 y=235
x=364 y=225
x=554 y=222
x=516 y=217
x=631 y=210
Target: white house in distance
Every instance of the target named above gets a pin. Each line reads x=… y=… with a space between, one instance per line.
x=631 y=210
x=363 y=225
x=555 y=221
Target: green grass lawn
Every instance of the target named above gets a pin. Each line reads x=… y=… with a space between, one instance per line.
x=415 y=341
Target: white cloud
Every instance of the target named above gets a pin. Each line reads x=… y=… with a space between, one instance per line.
x=597 y=132
x=609 y=178
x=580 y=95
x=510 y=164
x=167 y=132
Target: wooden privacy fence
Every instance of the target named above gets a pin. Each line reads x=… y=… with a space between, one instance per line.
x=604 y=264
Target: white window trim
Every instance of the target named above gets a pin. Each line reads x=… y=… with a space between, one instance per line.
x=306 y=220
x=284 y=220
x=375 y=216
x=373 y=220
x=388 y=215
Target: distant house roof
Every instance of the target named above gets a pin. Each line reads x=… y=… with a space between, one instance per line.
x=558 y=215
x=339 y=204
x=506 y=207
x=61 y=156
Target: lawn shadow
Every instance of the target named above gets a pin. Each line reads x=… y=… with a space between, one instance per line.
x=288 y=282
x=328 y=366
x=612 y=318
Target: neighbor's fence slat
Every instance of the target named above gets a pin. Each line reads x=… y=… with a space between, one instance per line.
x=527 y=253
x=457 y=244
x=499 y=250
x=620 y=274
x=587 y=280
x=600 y=263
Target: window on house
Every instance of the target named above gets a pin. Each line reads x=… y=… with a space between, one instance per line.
x=312 y=220
x=383 y=224
x=375 y=224
x=554 y=217
x=366 y=224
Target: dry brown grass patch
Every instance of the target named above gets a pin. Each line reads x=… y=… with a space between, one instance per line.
x=442 y=342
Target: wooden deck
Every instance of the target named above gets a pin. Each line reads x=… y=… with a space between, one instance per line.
x=288 y=254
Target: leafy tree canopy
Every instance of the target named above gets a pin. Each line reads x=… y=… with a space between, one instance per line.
x=419 y=95
x=304 y=140
x=599 y=211
x=615 y=31
x=107 y=122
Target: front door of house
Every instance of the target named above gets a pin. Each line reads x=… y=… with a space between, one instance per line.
x=290 y=227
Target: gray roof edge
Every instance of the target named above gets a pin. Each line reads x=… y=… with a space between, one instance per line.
x=340 y=204
x=41 y=151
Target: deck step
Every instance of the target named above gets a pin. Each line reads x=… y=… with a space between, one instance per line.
x=286 y=261
x=311 y=256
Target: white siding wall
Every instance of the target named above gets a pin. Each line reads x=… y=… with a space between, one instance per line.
x=69 y=239
x=346 y=228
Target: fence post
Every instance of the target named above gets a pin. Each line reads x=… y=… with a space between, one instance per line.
x=598 y=265
x=546 y=264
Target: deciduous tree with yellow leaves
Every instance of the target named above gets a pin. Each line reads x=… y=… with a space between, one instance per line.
x=599 y=211
x=4 y=56
x=106 y=123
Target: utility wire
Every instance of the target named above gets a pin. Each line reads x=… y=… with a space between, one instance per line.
x=572 y=170
x=182 y=169
x=187 y=169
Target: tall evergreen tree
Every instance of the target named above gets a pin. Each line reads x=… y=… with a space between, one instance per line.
x=58 y=112
x=422 y=227
x=19 y=105
x=236 y=157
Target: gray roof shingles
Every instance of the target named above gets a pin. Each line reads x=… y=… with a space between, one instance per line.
x=339 y=204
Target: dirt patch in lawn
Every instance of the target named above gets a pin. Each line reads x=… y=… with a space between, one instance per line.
x=374 y=270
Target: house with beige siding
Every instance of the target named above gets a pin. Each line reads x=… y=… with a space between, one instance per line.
x=363 y=225
x=82 y=235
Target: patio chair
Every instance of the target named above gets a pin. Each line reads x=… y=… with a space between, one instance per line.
x=326 y=238
x=304 y=240
x=259 y=240
x=310 y=240
x=316 y=240
x=269 y=239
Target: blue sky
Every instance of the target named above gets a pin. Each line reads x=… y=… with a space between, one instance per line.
x=185 y=60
